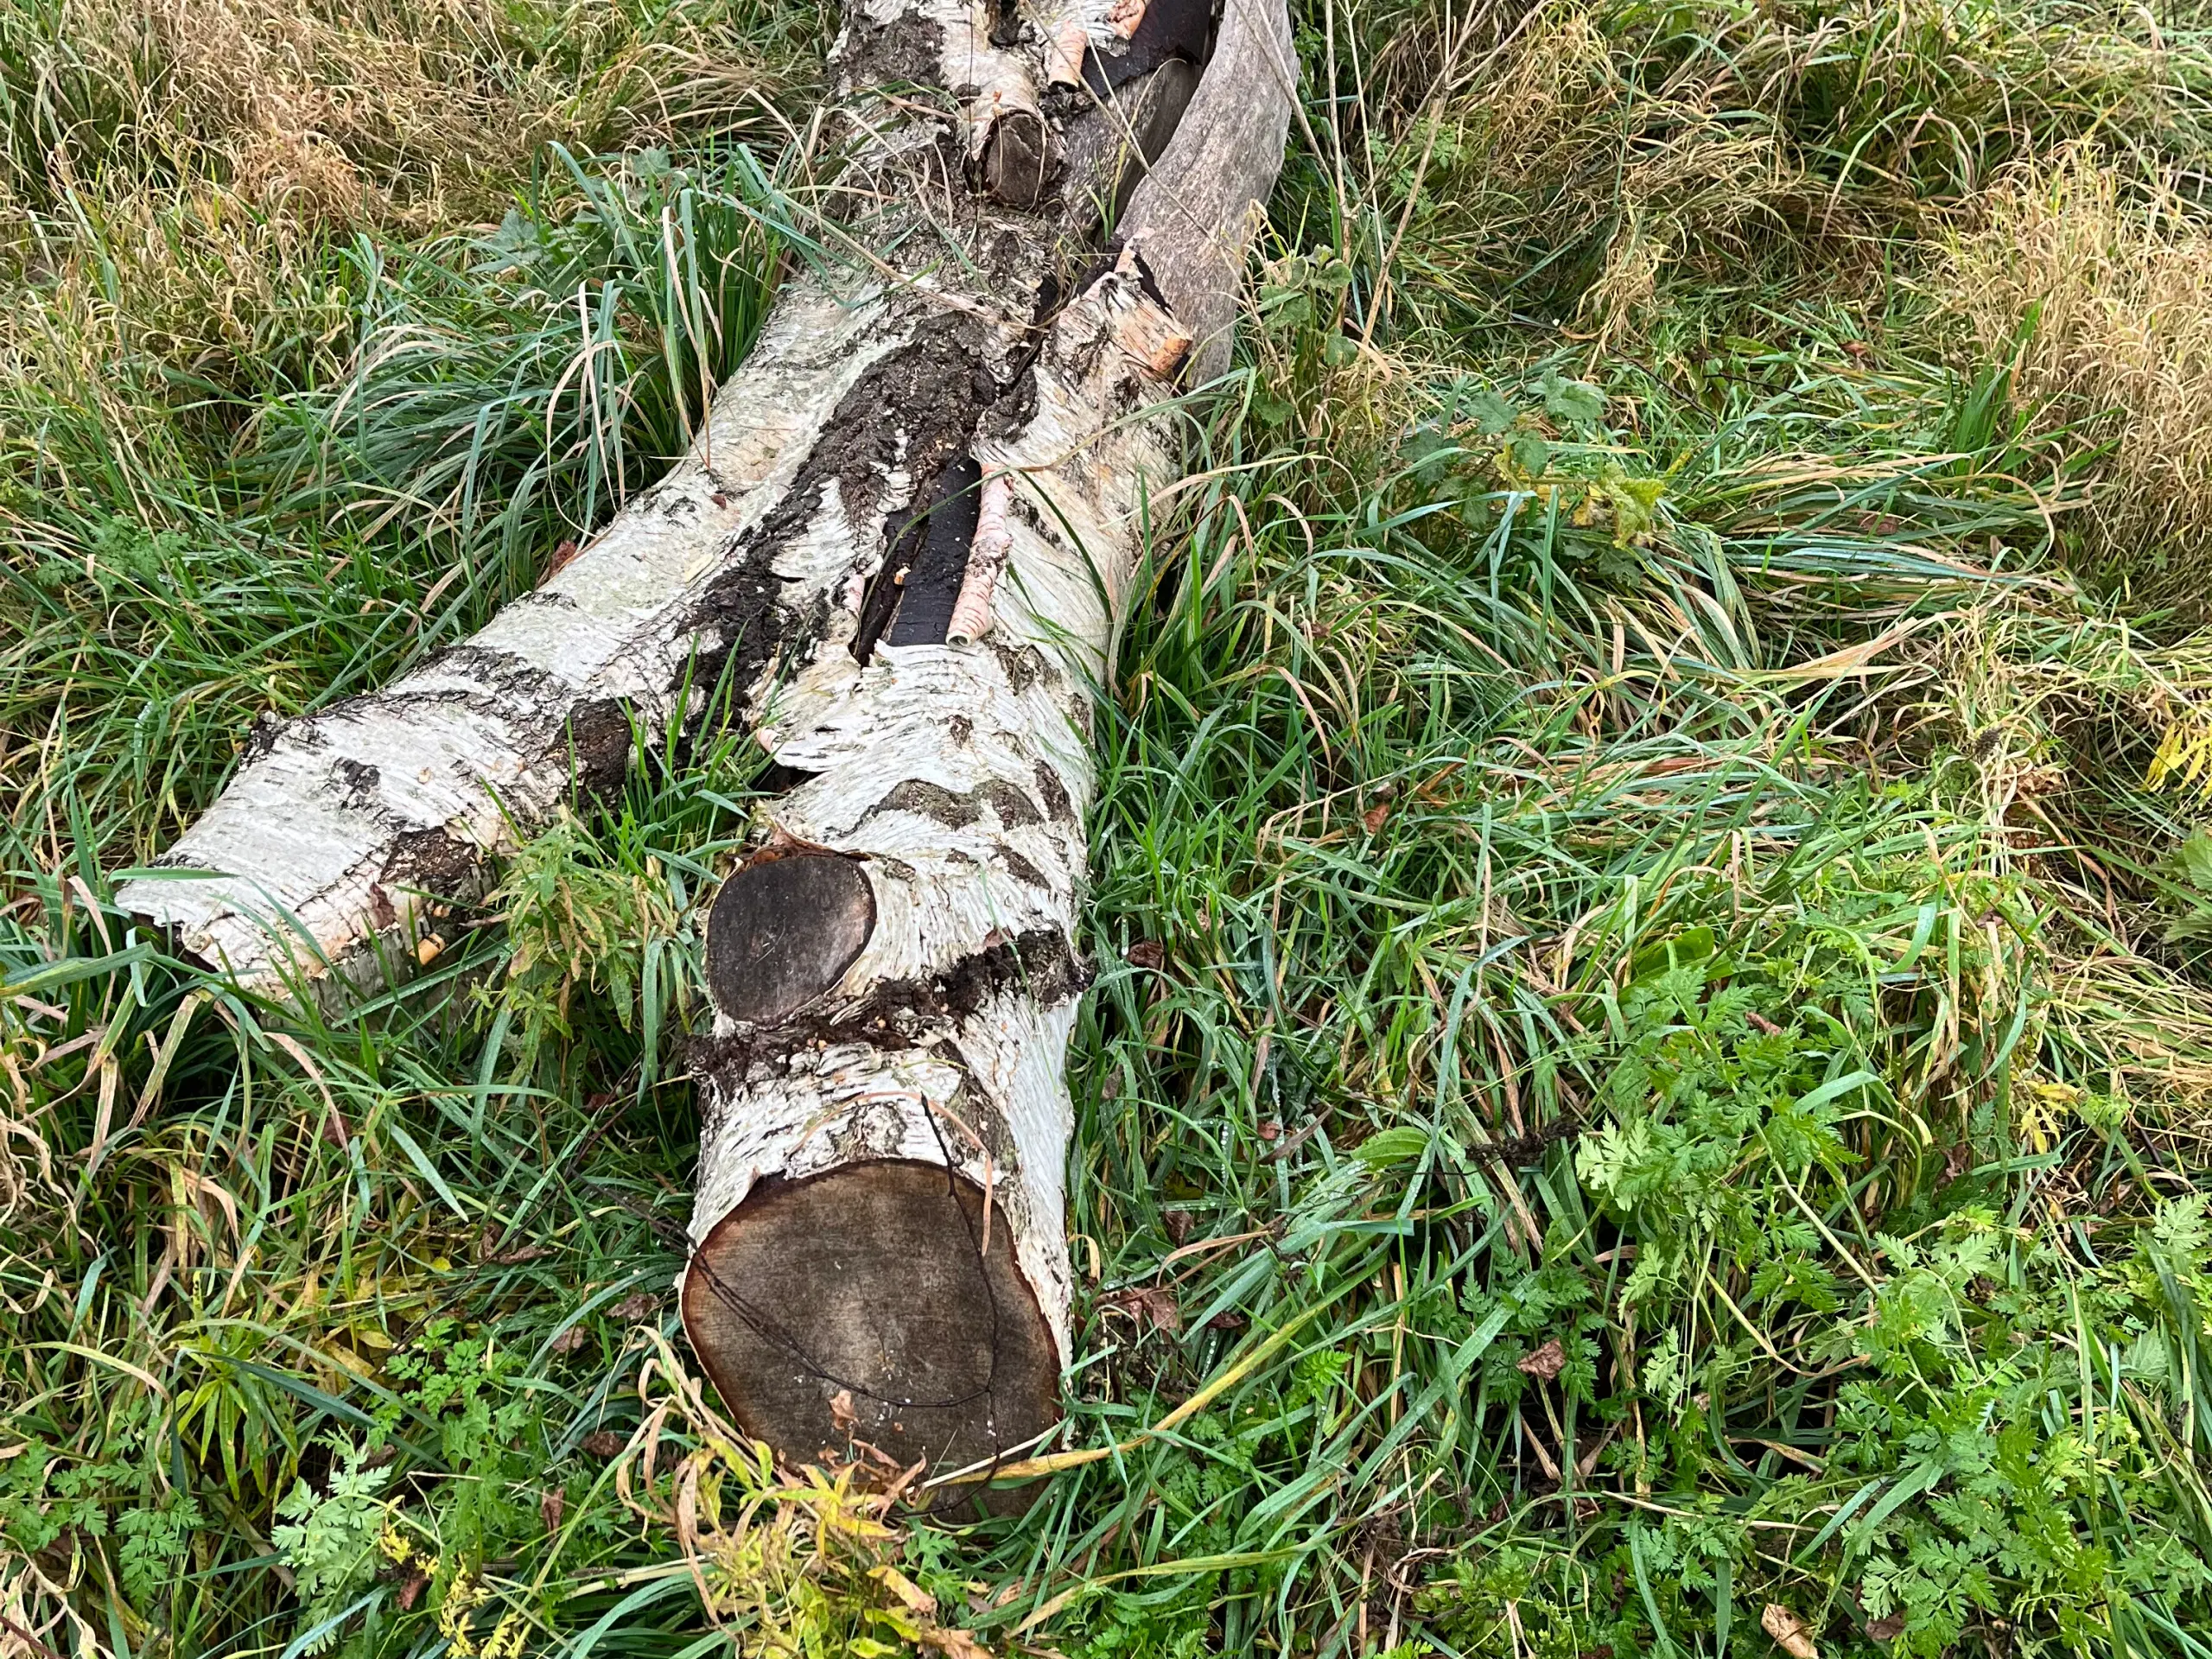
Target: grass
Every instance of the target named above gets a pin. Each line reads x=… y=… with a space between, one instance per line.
x=1647 y=1087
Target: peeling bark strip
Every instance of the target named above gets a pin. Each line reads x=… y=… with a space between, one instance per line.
x=906 y=534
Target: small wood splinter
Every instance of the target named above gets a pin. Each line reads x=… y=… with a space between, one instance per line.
x=1064 y=57
x=971 y=611
x=1125 y=16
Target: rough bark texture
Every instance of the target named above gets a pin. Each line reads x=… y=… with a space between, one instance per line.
x=907 y=531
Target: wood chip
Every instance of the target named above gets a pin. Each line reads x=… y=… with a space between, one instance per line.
x=1154 y=1304
x=1153 y=338
x=1063 y=58
x=1790 y=1633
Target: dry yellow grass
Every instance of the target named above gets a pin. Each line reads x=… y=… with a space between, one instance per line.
x=379 y=110
x=176 y=176
x=2102 y=288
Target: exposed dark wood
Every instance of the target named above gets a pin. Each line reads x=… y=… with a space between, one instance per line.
x=938 y=548
x=1168 y=29
x=1108 y=147
x=783 y=931
x=858 y=1306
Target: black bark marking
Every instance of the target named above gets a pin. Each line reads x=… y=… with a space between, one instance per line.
x=957 y=811
x=1023 y=666
x=741 y=612
x=431 y=861
x=783 y=931
x=1054 y=794
x=908 y=51
x=598 y=744
x=357 y=782
x=931 y=392
x=898 y=1014
x=869 y=1281
x=1022 y=869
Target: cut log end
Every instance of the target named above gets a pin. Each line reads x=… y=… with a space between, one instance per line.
x=856 y=1308
x=783 y=931
x=1017 y=159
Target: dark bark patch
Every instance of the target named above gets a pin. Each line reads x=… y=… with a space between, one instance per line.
x=858 y=1307
x=598 y=742
x=740 y=613
x=357 y=782
x=958 y=811
x=1054 y=794
x=434 y=862
x=897 y=1014
x=1024 y=667
x=907 y=51
x=932 y=389
x=1022 y=869
x=783 y=931
x=915 y=410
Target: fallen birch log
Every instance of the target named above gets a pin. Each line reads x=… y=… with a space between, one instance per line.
x=906 y=532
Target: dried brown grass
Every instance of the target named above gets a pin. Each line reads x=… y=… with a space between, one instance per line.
x=408 y=112
x=179 y=180
x=2099 y=288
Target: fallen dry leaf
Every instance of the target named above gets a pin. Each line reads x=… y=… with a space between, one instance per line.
x=1790 y=1633
x=954 y=1644
x=1376 y=817
x=1546 y=1362
x=1153 y=1304
x=1145 y=953
x=498 y=1252
x=1887 y=1628
x=842 y=1412
x=569 y=1341
x=640 y=1305
x=918 y=1600
x=411 y=1592
x=1178 y=1224
x=550 y=1505
x=604 y=1443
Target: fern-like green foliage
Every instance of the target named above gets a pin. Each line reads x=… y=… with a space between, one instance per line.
x=328 y=1540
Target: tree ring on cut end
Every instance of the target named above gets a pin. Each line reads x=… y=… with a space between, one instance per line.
x=855 y=1307
x=783 y=931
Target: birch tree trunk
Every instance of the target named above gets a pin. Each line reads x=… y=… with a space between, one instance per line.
x=907 y=530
